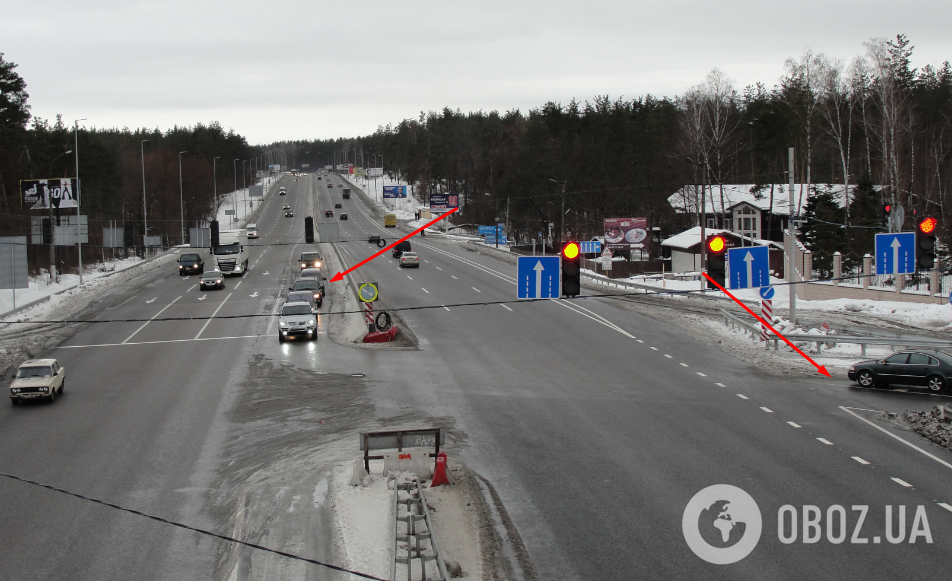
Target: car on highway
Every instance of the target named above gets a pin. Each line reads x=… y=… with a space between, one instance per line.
x=318 y=177
x=190 y=262
x=286 y=207
x=330 y=184
x=212 y=279
x=289 y=213
x=921 y=367
x=252 y=230
x=38 y=378
x=328 y=213
x=282 y=191
x=308 y=289
x=400 y=248
x=390 y=221
x=337 y=205
x=315 y=273
x=373 y=238
x=409 y=259
x=343 y=216
x=296 y=320
x=311 y=259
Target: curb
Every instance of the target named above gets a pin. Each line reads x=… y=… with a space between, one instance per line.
x=381 y=336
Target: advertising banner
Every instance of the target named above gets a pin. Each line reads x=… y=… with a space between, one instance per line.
x=44 y=194
x=625 y=234
x=394 y=192
x=374 y=172
x=444 y=201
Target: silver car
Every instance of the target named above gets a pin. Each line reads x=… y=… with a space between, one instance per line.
x=297 y=320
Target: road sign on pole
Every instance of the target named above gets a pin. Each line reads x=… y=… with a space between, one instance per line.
x=538 y=277
x=767 y=292
x=590 y=247
x=748 y=267
x=896 y=253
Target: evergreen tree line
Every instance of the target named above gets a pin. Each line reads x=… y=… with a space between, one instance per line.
x=872 y=121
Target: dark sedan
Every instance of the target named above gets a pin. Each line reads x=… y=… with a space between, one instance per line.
x=928 y=368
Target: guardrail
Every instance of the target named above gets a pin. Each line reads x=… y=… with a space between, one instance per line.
x=731 y=320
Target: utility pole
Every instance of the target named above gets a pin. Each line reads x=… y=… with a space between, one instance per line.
x=215 y=182
x=791 y=243
x=79 y=189
x=181 y=196
x=145 y=207
x=235 y=196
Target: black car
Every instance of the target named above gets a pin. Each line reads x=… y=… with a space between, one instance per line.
x=289 y=213
x=311 y=260
x=373 y=239
x=924 y=367
x=343 y=216
x=328 y=213
x=337 y=205
x=212 y=279
x=190 y=262
x=400 y=249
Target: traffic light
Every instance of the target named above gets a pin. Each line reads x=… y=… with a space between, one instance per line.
x=887 y=210
x=716 y=259
x=309 y=230
x=925 y=243
x=214 y=234
x=571 y=269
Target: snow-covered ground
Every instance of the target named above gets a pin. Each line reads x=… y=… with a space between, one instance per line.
x=404 y=208
x=239 y=201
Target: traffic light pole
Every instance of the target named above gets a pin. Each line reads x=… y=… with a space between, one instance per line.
x=791 y=243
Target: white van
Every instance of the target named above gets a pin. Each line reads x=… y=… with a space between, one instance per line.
x=252 y=230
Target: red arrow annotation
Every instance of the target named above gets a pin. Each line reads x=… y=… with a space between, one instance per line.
x=341 y=275
x=820 y=368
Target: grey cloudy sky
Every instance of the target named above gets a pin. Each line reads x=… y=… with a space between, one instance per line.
x=290 y=69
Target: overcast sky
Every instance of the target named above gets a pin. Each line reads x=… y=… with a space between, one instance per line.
x=290 y=69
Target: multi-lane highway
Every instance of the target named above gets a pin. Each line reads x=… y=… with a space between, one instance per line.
x=596 y=424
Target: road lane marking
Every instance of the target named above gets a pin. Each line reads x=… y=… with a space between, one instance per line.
x=505 y=307
x=742 y=396
x=150 y=302
x=150 y=320
x=795 y=424
x=239 y=284
x=194 y=286
x=945 y=506
x=252 y=296
x=884 y=430
x=653 y=348
x=408 y=276
x=445 y=307
x=825 y=441
x=426 y=291
x=203 y=297
x=157 y=342
x=477 y=290
x=901 y=482
x=438 y=268
x=720 y=385
x=768 y=410
x=639 y=340
x=860 y=460
x=454 y=277
x=701 y=374
x=683 y=364
x=213 y=316
x=668 y=356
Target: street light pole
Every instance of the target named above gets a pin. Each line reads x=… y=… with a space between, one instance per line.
x=244 y=187
x=49 y=207
x=215 y=180
x=79 y=190
x=180 y=192
x=145 y=207
x=235 y=197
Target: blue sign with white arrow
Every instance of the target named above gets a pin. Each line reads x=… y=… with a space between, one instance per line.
x=484 y=230
x=590 y=247
x=538 y=277
x=896 y=253
x=748 y=267
x=767 y=293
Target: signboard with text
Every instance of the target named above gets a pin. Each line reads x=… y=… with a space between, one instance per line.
x=45 y=194
x=394 y=192
x=444 y=201
x=625 y=234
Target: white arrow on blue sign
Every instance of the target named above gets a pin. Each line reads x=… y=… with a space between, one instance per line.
x=767 y=293
x=590 y=247
x=896 y=253
x=748 y=267
x=538 y=277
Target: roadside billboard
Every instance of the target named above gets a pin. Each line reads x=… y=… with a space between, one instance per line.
x=394 y=192
x=444 y=201
x=44 y=194
x=625 y=234
x=374 y=172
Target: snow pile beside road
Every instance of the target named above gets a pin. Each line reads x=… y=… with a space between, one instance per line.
x=362 y=519
x=238 y=202
x=404 y=208
x=930 y=425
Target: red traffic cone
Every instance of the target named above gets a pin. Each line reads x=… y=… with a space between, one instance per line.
x=439 y=475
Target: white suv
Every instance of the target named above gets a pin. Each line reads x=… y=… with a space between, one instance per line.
x=252 y=230
x=297 y=319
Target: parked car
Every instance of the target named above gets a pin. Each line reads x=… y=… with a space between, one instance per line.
x=921 y=367
x=297 y=320
x=400 y=248
x=329 y=213
x=212 y=279
x=289 y=213
x=409 y=259
x=252 y=230
x=337 y=205
x=309 y=290
x=311 y=260
x=343 y=216
x=38 y=378
x=190 y=262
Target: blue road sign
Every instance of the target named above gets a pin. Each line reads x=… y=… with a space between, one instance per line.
x=538 y=277
x=490 y=239
x=484 y=230
x=590 y=247
x=896 y=253
x=767 y=293
x=748 y=267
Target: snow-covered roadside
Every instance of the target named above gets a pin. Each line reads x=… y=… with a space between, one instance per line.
x=238 y=201
x=403 y=208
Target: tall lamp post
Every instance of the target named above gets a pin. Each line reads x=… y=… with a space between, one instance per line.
x=79 y=189
x=145 y=207
x=181 y=189
x=703 y=164
x=244 y=187
x=562 y=214
x=235 y=198
x=50 y=208
x=215 y=180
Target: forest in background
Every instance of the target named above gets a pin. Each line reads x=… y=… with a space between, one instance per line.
x=871 y=121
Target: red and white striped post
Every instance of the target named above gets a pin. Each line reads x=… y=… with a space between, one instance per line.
x=369 y=315
x=766 y=313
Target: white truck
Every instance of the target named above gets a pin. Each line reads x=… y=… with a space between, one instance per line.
x=231 y=254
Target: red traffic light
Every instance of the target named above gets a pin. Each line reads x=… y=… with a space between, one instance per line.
x=927 y=225
x=887 y=207
x=716 y=244
x=570 y=250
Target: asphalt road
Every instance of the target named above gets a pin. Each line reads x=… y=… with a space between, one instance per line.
x=594 y=422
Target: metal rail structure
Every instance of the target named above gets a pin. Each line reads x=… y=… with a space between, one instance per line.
x=413 y=540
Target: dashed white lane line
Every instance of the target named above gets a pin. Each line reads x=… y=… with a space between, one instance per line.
x=239 y=283
x=150 y=320
x=945 y=506
x=445 y=307
x=639 y=340
x=683 y=364
x=505 y=307
x=477 y=290
x=901 y=482
x=453 y=277
x=213 y=316
x=653 y=348
x=194 y=286
x=722 y=385
x=887 y=432
x=701 y=374
x=438 y=268
x=742 y=396
x=825 y=441
x=408 y=276
x=426 y=291
x=768 y=410
x=668 y=356
x=795 y=424
x=860 y=460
